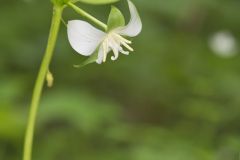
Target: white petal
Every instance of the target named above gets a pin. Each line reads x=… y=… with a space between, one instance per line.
x=83 y=37
x=134 y=27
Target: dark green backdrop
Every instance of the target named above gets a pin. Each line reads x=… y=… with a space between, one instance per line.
x=172 y=99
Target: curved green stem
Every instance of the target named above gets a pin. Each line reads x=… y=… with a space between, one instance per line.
x=37 y=92
x=87 y=15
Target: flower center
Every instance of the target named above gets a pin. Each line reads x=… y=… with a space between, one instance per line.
x=113 y=41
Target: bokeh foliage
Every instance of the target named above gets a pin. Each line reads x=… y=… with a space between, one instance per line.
x=172 y=99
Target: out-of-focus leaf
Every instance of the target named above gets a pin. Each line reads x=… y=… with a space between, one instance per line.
x=80 y=108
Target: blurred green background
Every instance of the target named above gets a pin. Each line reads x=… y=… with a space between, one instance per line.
x=177 y=97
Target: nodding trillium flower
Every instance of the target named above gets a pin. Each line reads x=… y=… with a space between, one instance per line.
x=86 y=39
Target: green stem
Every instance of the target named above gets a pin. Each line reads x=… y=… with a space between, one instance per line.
x=87 y=15
x=37 y=92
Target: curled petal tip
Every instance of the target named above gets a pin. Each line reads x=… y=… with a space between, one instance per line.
x=134 y=27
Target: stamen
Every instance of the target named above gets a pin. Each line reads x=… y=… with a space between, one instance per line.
x=113 y=42
x=105 y=47
x=114 y=45
x=100 y=55
x=123 y=39
x=127 y=46
x=115 y=51
x=123 y=52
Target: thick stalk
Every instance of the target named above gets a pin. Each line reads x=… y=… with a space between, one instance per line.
x=37 y=92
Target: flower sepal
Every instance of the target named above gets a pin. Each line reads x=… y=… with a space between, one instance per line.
x=115 y=19
x=89 y=60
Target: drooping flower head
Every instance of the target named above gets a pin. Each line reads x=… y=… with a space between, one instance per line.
x=86 y=39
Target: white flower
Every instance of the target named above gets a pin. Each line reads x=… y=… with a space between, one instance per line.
x=223 y=44
x=86 y=39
